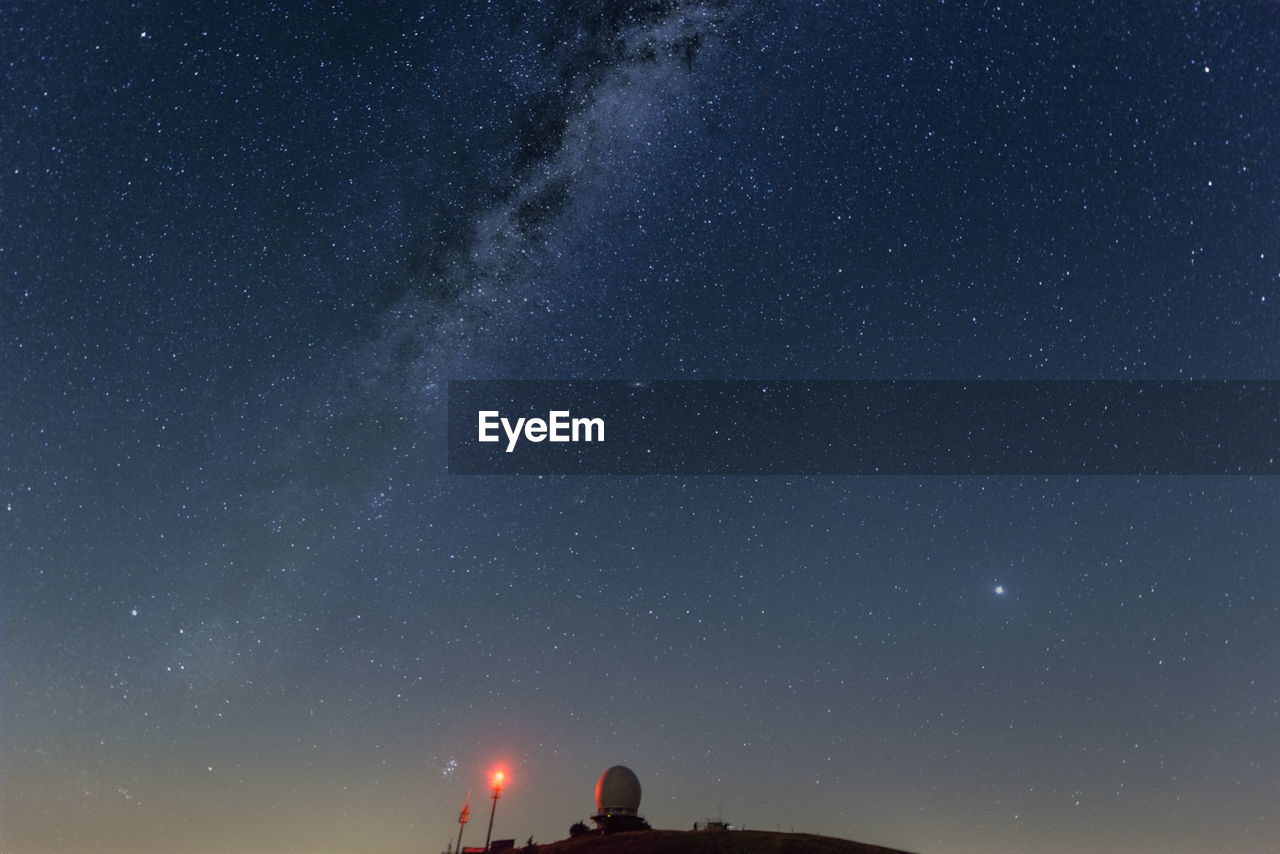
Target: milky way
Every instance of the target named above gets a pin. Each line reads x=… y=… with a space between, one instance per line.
x=591 y=86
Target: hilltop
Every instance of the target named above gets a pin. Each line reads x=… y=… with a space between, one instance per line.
x=710 y=842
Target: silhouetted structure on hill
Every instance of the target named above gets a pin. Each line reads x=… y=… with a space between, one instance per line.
x=618 y=801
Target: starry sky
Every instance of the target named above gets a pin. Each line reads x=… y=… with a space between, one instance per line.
x=245 y=608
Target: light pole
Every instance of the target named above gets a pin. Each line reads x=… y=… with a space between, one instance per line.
x=497 y=790
x=462 y=821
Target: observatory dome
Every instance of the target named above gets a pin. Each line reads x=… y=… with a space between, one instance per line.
x=618 y=791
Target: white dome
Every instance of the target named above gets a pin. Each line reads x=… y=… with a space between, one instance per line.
x=618 y=791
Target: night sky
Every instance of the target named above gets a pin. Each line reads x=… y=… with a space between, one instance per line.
x=245 y=608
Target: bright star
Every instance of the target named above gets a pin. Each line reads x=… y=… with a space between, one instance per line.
x=999 y=589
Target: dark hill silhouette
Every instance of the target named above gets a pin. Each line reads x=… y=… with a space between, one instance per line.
x=710 y=842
